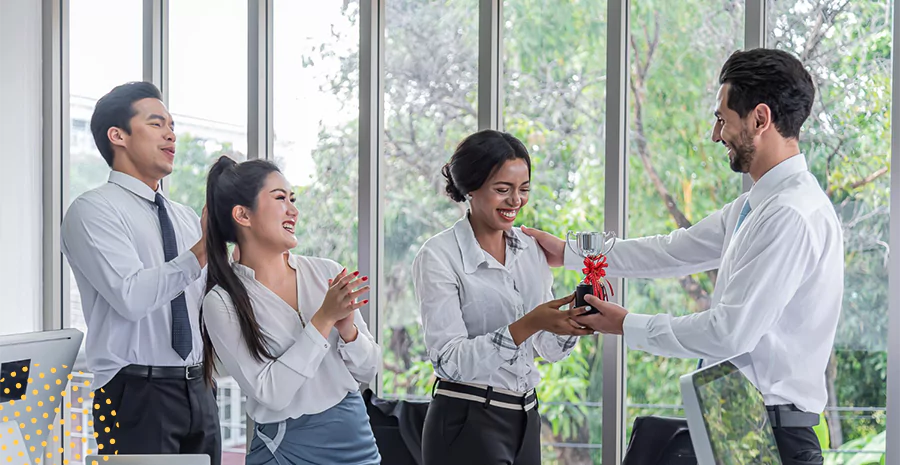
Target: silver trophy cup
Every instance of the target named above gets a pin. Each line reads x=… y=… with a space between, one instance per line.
x=589 y=244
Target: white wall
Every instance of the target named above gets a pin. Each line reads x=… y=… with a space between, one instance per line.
x=20 y=166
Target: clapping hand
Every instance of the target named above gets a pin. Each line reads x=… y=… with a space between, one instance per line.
x=340 y=302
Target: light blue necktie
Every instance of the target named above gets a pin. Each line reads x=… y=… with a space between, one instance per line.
x=744 y=211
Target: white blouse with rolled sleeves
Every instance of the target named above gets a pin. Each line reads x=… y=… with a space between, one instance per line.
x=468 y=299
x=310 y=373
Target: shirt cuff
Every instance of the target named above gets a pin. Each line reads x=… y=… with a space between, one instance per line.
x=503 y=342
x=354 y=352
x=307 y=353
x=187 y=262
x=637 y=331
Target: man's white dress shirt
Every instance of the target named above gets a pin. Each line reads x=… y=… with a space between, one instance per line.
x=310 y=373
x=778 y=293
x=112 y=239
x=468 y=299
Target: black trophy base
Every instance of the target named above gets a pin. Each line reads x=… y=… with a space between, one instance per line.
x=582 y=290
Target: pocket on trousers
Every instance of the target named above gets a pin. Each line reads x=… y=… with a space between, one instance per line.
x=455 y=420
x=132 y=402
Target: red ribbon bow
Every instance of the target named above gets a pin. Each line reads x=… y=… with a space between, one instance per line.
x=595 y=274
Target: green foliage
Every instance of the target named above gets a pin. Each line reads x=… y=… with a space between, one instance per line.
x=562 y=393
x=862 y=451
x=187 y=183
x=822 y=432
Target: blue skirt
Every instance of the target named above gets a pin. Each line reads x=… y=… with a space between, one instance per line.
x=339 y=435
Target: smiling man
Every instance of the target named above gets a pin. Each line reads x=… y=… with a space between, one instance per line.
x=138 y=259
x=778 y=249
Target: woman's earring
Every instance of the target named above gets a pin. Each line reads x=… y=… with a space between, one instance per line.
x=469 y=197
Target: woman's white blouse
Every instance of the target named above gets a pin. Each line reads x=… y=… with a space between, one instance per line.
x=309 y=374
x=468 y=299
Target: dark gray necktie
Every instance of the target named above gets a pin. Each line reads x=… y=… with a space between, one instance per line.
x=181 y=324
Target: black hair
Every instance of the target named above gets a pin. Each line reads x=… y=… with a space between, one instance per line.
x=477 y=157
x=230 y=184
x=115 y=109
x=775 y=78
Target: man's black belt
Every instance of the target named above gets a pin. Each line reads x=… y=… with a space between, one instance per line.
x=183 y=372
x=789 y=416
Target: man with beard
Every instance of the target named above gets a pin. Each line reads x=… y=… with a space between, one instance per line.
x=778 y=249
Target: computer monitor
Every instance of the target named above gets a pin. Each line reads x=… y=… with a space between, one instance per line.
x=162 y=459
x=34 y=373
x=727 y=416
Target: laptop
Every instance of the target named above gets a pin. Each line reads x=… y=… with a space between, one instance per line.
x=34 y=370
x=727 y=416
x=160 y=459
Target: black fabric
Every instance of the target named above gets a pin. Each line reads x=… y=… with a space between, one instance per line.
x=799 y=446
x=140 y=415
x=397 y=426
x=463 y=432
x=660 y=440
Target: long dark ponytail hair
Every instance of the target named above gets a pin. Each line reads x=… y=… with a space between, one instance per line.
x=230 y=184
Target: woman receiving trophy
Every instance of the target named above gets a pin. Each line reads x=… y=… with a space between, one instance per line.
x=484 y=293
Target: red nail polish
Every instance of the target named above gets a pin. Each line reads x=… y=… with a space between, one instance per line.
x=366 y=301
x=365 y=278
x=356 y=273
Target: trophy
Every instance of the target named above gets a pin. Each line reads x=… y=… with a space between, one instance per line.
x=593 y=248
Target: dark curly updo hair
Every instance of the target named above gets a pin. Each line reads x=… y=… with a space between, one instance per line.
x=477 y=157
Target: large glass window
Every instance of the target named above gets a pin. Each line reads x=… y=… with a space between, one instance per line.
x=430 y=106
x=316 y=82
x=208 y=101
x=676 y=174
x=554 y=70
x=207 y=91
x=847 y=48
x=92 y=73
x=553 y=88
x=96 y=65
